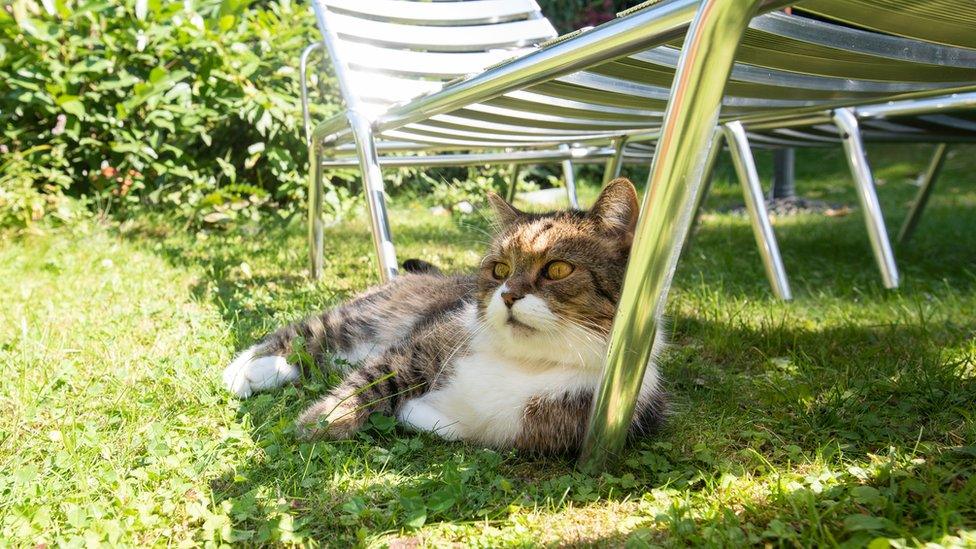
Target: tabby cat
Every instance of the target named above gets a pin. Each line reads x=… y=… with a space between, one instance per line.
x=508 y=357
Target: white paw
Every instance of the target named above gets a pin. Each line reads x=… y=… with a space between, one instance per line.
x=248 y=375
x=421 y=416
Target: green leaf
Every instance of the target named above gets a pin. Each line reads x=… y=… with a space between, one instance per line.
x=157 y=74
x=441 y=500
x=71 y=104
x=854 y=523
x=226 y=22
x=865 y=494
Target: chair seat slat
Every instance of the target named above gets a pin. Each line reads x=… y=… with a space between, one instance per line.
x=516 y=34
x=423 y=63
x=948 y=23
x=439 y=13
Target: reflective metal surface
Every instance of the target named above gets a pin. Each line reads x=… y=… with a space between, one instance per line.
x=708 y=174
x=303 y=81
x=850 y=134
x=316 y=228
x=745 y=167
x=569 y=178
x=674 y=184
x=940 y=22
x=922 y=196
x=375 y=196
x=513 y=173
x=562 y=154
x=616 y=162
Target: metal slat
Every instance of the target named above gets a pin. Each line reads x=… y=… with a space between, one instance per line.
x=639 y=70
x=637 y=89
x=448 y=140
x=743 y=72
x=422 y=63
x=471 y=12
x=385 y=90
x=789 y=54
x=838 y=37
x=516 y=34
x=949 y=23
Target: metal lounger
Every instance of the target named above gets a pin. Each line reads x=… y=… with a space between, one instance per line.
x=599 y=85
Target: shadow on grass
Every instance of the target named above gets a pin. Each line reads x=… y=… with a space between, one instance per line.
x=748 y=403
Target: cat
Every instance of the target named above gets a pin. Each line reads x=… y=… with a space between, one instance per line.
x=509 y=357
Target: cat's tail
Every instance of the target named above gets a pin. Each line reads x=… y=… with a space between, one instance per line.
x=419 y=266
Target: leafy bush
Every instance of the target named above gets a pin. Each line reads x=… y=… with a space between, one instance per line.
x=189 y=105
x=153 y=101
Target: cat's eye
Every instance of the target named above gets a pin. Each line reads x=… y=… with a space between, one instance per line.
x=556 y=270
x=500 y=270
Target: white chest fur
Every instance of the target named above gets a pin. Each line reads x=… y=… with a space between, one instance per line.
x=487 y=395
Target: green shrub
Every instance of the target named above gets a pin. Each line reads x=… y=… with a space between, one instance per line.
x=192 y=105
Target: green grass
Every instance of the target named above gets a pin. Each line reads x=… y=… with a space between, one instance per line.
x=845 y=417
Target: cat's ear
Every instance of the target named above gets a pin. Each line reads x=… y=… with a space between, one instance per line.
x=615 y=210
x=505 y=213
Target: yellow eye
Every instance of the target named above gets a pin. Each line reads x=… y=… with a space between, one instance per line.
x=558 y=269
x=500 y=271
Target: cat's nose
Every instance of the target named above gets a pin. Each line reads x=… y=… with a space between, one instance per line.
x=510 y=298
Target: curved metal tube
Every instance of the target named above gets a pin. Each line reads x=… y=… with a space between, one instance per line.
x=615 y=163
x=303 y=81
x=513 y=173
x=373 y=188
x=850 y=134
x=745 y=167
x=316 y=227
x=922 y=197
x=569 y=176
x=673 y=189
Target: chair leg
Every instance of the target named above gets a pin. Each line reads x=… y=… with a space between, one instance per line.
x=375 y=200
x=615 y=163
x=707 y=174
x=316 y=227
x=850 y=133
x=922 y=197
x=569 y=175
x=745 y=167
x=674 y=185
x=303 y=82
x=513 y=173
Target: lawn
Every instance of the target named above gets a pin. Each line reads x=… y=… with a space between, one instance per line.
x=845 y=417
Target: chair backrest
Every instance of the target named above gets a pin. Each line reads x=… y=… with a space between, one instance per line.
x=388 y=51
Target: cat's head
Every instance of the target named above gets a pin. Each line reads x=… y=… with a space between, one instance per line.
x=551 y=281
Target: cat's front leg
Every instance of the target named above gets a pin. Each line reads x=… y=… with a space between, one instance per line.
x=421 y=415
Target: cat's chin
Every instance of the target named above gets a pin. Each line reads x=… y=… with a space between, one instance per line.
x=519 y=328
